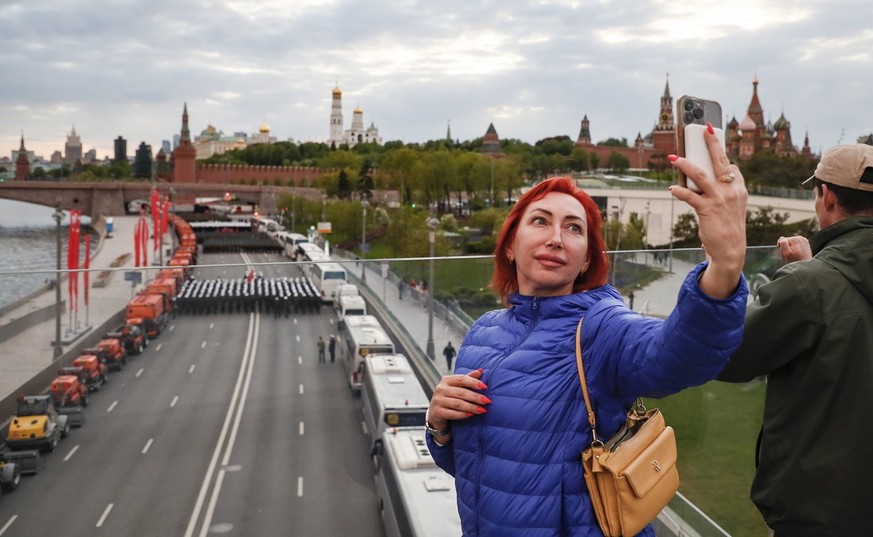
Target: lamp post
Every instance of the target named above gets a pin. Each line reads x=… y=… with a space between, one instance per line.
x=432 y=224
x=58 y=215
x=364 y=205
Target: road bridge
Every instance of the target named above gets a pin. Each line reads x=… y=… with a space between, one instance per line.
x=111 y=198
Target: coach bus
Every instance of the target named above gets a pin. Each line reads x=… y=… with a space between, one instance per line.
x=417 y=498
x=291 y=241
x=327 y=277
x=391 y=395
x=361 y=335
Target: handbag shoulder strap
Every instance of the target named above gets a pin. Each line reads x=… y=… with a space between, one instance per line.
x=592 y=420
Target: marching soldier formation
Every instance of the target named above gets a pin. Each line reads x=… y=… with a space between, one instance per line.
x=279 y=296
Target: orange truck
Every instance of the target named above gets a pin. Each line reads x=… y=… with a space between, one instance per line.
x=113 y=353
x=163 y=286
x=150 y=311
x=131 y=337
x=67 y=390
x=93 y=370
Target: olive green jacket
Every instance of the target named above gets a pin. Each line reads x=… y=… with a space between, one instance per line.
x=810 y=331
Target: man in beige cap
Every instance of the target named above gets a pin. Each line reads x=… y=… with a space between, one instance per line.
x=810 y=330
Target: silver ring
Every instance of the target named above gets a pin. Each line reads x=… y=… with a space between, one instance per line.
x=727 y=178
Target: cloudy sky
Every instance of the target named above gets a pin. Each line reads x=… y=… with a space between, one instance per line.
x=534 y=68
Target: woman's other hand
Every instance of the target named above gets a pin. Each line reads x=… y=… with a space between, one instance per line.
x=457 y=397
x=721 y=215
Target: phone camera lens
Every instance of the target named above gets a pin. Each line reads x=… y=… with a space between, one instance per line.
x=698 y=113
x=689 y=105
x=689 y=117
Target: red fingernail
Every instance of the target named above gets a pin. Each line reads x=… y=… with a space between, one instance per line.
x=482 y=385
x=709 y=128
x=481 y=410
x=673 y=158
x=469 y=414
x=480 y=370
x=485 y=400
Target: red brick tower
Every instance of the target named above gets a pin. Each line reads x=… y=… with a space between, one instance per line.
x=664 y=135
x=22 y=165
x=185 y=156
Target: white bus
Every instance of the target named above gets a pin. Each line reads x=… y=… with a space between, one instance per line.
x=417 y=498
x=326 y=277
x=391 y=396
x=361 y=335
x=346 y=305
x=310 y=251
x=291 y=241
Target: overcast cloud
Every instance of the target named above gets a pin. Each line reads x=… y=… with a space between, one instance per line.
x=125 y=68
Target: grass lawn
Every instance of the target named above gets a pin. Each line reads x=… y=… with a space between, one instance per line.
x=716 y=428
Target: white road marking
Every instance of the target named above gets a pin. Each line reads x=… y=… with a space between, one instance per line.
x=300 y=486
x=174 y=401
x=299 y=359
x=301 y=428
x=211 y=325
x=158 y=347
x=112 y=406
x=104 y=515
x=147 y=446
x=138 y=373
x=301 y=389
x=70 y=454
x=6 y=526
x=191 y=369
x=203 y=345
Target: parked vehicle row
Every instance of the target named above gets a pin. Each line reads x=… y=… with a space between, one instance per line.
x=416 y=498
x=42 y=420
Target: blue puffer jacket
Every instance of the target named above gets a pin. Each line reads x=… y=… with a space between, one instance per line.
x=517 y=468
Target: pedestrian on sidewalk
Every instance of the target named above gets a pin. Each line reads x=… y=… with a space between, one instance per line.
x=331 y=348
x=449 y=353
x=320 y=349
x=400 y=285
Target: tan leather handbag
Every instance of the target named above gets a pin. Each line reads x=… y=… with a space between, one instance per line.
x=633 y=475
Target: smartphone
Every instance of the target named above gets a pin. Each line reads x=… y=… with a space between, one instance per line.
x=693 y=113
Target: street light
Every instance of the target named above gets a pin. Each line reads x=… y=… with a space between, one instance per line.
x=432 y=224
x=364 y=205
x=58 y=215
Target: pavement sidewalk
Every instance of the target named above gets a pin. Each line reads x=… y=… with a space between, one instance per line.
x=31 y=350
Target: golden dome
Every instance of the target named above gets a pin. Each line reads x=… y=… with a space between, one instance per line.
x=264 y=128
x=337 y=91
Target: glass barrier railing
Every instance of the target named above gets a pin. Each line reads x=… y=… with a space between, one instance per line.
x=716 y=424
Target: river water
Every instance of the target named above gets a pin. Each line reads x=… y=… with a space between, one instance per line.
x=28 y=248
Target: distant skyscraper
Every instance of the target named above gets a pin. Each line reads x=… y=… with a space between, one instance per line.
x=142 y=162
x=120 y=146
x=73 y=148
x=165 y=145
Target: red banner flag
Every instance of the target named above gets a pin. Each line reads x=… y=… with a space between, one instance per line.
x=140 y=241
x=144 y=241
x=165 y=208
x=155 y=206
x=73 y=259
x=86 y=264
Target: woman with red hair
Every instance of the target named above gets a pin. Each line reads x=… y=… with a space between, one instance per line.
x=510 y=424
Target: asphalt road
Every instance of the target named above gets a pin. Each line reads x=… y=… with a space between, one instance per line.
x=226 y=425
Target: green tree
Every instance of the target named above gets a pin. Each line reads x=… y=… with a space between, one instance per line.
x=685 y=231
x=617 y=162
x=614 y=142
